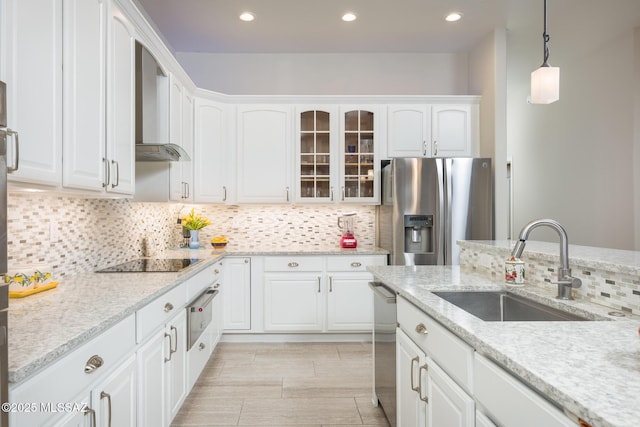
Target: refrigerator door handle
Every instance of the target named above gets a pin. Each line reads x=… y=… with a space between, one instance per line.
x=442 y=211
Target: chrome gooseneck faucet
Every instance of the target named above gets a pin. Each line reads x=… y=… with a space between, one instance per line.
x=565 y=281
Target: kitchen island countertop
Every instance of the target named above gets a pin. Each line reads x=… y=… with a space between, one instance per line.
x=590 y=368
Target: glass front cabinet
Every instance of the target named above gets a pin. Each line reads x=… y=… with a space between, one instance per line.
x=336 y=155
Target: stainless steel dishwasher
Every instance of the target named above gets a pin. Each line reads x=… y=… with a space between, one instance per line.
x=384 y=349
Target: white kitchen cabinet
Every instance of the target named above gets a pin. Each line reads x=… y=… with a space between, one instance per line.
x=409 y=128
x=449 y=405
x=359 y=160
x=411 y=409
x=211 y=154
x=98 y=98
x=114 y=400
x=432 y=130
x=317 y=145
x=237 y=293
x=95 y=363
x=176 y=364
x=31 y=66
x=181 y=133
x=507 y=401
x=293 y=302
x=264 y=154
x=151 y=382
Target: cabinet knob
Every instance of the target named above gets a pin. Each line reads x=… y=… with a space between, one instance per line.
x=421 y=329
x=216 y=271
x=168 y=307
x=202 y=346
x=293 y=264
x=93 y=363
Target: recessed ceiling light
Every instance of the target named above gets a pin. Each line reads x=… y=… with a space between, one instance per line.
x=453 y=17
x=348 y=17
x=247 y=16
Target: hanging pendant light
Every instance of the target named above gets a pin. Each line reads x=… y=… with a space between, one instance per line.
x=545 y=81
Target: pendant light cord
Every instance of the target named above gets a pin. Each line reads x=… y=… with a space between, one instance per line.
x=545 y=38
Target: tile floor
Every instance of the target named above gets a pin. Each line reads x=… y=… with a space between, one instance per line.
x=284 y=384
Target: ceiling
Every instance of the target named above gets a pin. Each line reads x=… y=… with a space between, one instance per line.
x=410 y=26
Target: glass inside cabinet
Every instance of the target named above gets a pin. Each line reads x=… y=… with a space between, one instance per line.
x=315 y=155
x=358 y=154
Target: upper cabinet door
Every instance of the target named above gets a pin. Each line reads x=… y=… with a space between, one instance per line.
x=121 y=104
x=264 y=154
x=210 y=155
x=409 y=130
x=83 y=107
x=452 y=130
x=31 y=65
x=359 y=162
x=316 y=148
x=178 y=190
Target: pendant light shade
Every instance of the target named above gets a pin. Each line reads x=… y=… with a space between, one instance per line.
x=545 y=81
x=545 y=85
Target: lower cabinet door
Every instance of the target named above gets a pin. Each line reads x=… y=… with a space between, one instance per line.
x=151 y=383
x=349 y=302
x=411 y=410
x=115 y=399
x=292 y=302
x=449 y=405
x=176 y=364
x=84 y=418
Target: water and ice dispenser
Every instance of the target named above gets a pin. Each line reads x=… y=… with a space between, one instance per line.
x=418 y=234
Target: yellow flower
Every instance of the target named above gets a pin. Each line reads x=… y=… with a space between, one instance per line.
x=194 y=222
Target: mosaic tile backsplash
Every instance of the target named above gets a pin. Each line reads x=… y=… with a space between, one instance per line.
x=619 y=290
x=71 y=235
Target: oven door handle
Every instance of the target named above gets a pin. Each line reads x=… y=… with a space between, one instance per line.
x=208 y=296
x=383 y=292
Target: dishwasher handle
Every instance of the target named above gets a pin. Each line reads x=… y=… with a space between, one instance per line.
x=203 y=300
x=383 y=292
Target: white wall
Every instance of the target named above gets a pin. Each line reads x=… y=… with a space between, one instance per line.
x=574 y=160
x=328 y=74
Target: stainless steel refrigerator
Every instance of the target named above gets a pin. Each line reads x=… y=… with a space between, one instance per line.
x=4 y=288
x=430 y=203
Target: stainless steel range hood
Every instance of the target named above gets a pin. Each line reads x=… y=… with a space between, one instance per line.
x=160 y=153
x=152 y=112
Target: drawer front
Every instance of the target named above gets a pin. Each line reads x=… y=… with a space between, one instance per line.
x=159 y=311
x=197 y=284
x=508 y=401
x=353 y=263
x=450 y=352
x=198 y=356
x=293 y=263
x=67 y=378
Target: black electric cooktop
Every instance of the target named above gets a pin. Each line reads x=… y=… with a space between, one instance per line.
x=151 y=265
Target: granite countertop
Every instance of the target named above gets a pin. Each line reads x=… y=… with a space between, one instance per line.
x=44 y=327
x=590 y=368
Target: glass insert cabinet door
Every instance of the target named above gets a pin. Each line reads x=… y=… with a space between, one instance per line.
x=315 y=155
x=358 y=155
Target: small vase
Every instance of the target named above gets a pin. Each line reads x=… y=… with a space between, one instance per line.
x=194 y=242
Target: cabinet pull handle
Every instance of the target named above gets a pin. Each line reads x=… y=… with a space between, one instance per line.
x=330 y=283
x=287 y=194
x=88 y=410
x=415 y=360
x=424 y=368
x=188 y=187
x=293 y=264
x=166 y=335
x=224 y=192
x=356 y=264
x=168 y=307
x=175 y=349
x=421 y=329
x=331 y=194
x=424 y=148
x=93 y=363
x=108 y=396
x=319 y=284
x=17 y=150
x=202 y=346
x=342 y=189
x=114 y=185
x=107 y=173
x=435 y=148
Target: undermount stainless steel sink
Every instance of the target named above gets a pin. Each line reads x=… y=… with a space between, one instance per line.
x=505 y=307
